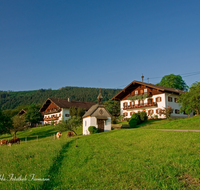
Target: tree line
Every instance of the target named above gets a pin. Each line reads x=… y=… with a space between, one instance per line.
x=11 y=100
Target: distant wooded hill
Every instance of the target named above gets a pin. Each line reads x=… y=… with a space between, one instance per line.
x=10 y=99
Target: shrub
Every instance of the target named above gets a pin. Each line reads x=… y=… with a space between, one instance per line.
x=93 y=129
x=127 y=119
x=156 y=116
x=136 y=116
x=133 y=123
x=113 y=120
x=143 y=116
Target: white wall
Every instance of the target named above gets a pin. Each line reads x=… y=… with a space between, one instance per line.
x=62 y=112
x=163 y=104
x=92 y=121
x=107 y=126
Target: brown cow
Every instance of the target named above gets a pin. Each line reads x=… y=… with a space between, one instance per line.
x=70 y=134
x=58 y=135
x=4 y=142
x=17 y=140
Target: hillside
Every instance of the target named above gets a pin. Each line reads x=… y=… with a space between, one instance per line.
x=10 y=100
x=119 y=159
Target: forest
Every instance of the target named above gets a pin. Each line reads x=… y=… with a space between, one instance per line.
x=11 y=99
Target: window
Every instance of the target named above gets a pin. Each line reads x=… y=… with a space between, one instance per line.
x=67 y=115
x=175 y=100
x=169 y=99
x=125 y=104
x=158 y=99
x=132 y=113
x=150 y=101
x=125 y=114
x=59 y=115
x=176 y=111
x=158 y=111
x=141 y=102
x=136 y=92
x=132 y=103
x=150 y=112
x=145 y=91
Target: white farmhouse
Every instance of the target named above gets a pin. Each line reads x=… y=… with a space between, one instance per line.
x=57 y=109
x=97 y=116
x=156 y=99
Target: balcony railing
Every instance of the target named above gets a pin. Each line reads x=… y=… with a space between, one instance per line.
x=51 y=111
x=51 y=118
x=153 y=104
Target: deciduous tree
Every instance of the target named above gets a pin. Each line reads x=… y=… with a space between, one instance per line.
x=190 y=101
x=113 y=107
x=19 y=124
x=33 y=115
x=5 y=123
x=173 y=81
x=71 y=125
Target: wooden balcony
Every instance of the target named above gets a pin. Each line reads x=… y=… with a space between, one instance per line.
x=51 y=111
x=51 y=118
x=145 y=105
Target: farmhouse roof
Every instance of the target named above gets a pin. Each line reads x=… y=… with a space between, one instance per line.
x=62 y=103
x=132 y=84
x=22 y=111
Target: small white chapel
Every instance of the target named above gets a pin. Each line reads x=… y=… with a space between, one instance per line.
x=97 y=116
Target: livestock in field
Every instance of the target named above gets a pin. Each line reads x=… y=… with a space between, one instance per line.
x=70 y=134
x=3 y=142
x=16 y=140
x=58 y=135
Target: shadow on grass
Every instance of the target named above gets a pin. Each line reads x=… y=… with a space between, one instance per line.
x=151 y=122
x=54 y=169
x=32 y=135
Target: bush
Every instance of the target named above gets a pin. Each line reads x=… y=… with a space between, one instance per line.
x=143 y=116
x=127 y=119
x=93 y=129
x=133 y=123
x=136 y=116
x=156 y=116
x=113 y=120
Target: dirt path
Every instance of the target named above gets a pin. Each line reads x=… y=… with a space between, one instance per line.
x=184 y=130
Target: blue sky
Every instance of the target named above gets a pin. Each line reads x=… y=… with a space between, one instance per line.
x=101 y=43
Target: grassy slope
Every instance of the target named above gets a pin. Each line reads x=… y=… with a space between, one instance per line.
x=184 y=123
x=119 y=159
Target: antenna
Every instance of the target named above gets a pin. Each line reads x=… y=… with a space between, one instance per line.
x=148 y=79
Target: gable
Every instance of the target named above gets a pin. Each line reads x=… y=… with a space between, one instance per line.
x=140 y=86
x=101 y=112
x=141 y=89
x=51 y=107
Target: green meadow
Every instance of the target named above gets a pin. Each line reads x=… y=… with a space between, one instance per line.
x=119 y=159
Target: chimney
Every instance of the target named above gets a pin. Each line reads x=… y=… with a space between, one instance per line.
x=142 y=77
x=69 y=100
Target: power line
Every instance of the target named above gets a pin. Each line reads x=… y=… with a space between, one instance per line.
x=183 y=75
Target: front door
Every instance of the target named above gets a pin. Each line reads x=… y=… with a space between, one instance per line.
x=100 y=123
